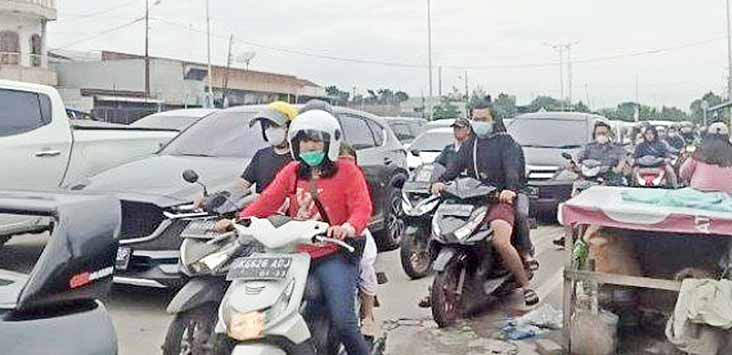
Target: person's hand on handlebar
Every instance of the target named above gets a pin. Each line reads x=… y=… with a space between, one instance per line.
x=507 y=196
x=198 y=202
x=438 y=187
x=342 y=232
x=224 y=225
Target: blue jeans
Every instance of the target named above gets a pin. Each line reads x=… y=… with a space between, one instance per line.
x=339 y=283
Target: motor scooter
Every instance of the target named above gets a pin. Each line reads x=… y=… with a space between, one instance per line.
x=650 y=172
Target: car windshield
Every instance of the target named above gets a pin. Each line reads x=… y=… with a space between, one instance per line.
x=549 y=133
x=223 y=134
x=432 y=141
x=165 y=121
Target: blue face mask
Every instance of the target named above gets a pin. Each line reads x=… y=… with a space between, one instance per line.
x=313 y=158
x=482 y=129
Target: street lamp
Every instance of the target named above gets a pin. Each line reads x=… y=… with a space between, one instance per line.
x=147 y=45
x=705 y=108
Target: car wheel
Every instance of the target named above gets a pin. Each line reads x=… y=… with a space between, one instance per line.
x=390 y=237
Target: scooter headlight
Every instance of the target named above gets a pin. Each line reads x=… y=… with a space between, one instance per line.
x=423 y=207
x=476 y=219
x=246 y=326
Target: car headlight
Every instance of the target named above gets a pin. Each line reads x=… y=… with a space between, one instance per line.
x=476 y=219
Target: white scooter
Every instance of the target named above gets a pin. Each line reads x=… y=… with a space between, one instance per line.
x=267 y=310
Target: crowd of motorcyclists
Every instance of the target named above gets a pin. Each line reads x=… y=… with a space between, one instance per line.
x=309 y=173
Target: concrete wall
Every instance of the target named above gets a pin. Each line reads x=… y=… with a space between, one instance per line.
x=73 y=99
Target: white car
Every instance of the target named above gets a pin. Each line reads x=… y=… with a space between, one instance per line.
x=42 y=150
x=174 y=119
x=428 y=145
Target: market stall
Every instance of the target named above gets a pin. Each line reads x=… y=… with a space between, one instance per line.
x=645 y=241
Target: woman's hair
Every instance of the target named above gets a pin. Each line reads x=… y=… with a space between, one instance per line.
x=715 y=150
x=487 y=103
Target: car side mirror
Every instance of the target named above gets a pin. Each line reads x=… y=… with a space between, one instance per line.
x=190 y=176
x=414 y=152
x=567 y=156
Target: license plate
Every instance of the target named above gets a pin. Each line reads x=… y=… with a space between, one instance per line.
x=123 y=258
x=533 y=191
x=203 y=229
x=260 y=268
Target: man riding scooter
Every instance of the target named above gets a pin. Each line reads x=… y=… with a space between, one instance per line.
x=497 y=160
x=653 y=147
x=605 y=151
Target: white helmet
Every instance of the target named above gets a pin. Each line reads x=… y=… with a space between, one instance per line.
x=320 y=124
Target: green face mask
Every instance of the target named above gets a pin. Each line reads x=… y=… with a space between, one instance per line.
x=313 y=158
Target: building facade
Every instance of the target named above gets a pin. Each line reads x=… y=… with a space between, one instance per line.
x=23 y=40
x=112 y=85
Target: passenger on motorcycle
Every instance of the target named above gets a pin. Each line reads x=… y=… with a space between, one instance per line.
x=500 y=162
x=652 y=146
x=462 y=133
x=674 y=139
x=604 y=150
x=320 y=186
x=710 y=168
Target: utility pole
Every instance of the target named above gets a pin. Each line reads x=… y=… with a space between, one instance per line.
x=147 y=53
x=208 y=49
x=561 y=48
x=569 y=73
x=467 y=95
x=561 y=75
x=729 y=55
x=637 y=96
x=429 y=55
x=439 y=81
x=226 y=76
x=587 y=93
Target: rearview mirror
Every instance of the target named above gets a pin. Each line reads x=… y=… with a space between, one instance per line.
x=190 y=176
x=567 y=156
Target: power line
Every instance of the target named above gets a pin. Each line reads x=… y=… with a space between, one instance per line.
x=102 y=33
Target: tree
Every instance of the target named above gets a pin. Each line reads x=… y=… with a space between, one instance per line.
x=446 y=109
x=697 y=114
x=505 y=106
x=581 y=107
x=546 y=103
x=341 y=97
x=477 y=97
x=401 y=96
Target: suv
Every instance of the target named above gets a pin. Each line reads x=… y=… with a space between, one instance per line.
x=405 y=128
x=218 y=147
x=544 y=136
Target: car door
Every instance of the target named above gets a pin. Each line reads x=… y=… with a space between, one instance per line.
x=35 y=150
x=359 y=135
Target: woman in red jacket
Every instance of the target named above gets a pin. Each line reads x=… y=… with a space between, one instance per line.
x=317 y=174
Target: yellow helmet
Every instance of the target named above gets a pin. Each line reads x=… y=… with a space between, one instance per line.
x=284 y=108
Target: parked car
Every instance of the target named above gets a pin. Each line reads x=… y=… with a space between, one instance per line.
x=42 y=149
x=174 y=119
x=428 y=145
x=544 y=136
x=80 y=115
x=405 y=128
x=218 y=147
x=55 y=309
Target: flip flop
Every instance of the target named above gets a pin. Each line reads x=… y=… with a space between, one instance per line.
x=530 y=297
x=531 y=265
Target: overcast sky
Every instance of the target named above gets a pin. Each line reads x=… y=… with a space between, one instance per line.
x=504 y=44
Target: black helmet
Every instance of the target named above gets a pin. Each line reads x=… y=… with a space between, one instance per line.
x=600 y=123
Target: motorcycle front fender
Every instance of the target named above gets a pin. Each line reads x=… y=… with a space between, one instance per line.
x=196 y=292
x=443 y=258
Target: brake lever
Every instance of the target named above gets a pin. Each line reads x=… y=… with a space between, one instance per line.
x=337 y=242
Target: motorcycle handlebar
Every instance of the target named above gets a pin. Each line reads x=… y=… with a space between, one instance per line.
x=340 y=243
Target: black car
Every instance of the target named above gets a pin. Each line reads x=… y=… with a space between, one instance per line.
x=544 y=136
x=406 y=129
x=55 y=308
x=218 y=147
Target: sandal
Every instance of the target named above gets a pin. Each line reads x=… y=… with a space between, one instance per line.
x=531 y=264
x=530 y=297
x=425 y=302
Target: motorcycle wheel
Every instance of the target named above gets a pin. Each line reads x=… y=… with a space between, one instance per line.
x=415 y=257
x=447 y=305
x=190 y=332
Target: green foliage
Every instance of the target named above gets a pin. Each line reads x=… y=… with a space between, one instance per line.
x=446 y=109
x=697 y=114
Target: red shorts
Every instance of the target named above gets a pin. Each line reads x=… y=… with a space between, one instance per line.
x=501 y=212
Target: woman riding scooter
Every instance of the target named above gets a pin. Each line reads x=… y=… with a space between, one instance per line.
x=653 y=146
x=320 y=186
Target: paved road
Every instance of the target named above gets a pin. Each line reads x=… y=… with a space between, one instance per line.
x=141 y=321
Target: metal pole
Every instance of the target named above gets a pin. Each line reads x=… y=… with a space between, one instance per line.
x=147 y=54
x=467 y=95
x=569 y=72
x=208 y=48
x=729 y=55
x=561 y=75
x=226 y=76
x=429 y=55
x=637 y=96
x=439 y=81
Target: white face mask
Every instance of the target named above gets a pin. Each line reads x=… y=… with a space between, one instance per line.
x=275 y=135
x=602 y=139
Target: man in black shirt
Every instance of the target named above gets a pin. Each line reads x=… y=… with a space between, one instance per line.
x=500 y=163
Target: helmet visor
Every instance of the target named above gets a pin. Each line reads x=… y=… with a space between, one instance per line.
x=310 y=135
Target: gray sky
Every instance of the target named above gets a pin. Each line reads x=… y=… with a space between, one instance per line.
x=504 y=43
